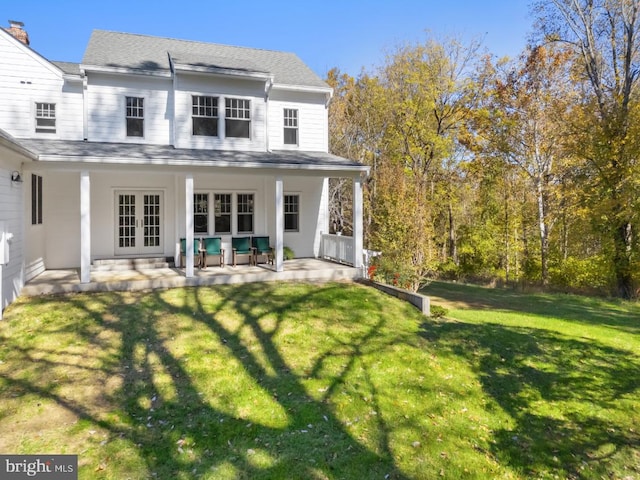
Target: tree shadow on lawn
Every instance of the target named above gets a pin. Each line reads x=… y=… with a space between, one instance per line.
x=624 y=316
x=179 y=430
x=569 y=399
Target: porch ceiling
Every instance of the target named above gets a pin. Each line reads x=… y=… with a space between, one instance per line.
x=167 y=155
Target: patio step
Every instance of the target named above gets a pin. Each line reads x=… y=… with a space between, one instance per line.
x=120 y=264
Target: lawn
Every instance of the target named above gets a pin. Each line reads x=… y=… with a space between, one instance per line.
x=338 y=381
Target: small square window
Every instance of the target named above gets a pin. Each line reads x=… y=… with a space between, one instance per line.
x=45 y=118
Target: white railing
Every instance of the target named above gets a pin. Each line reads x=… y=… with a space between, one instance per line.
x=338 y=249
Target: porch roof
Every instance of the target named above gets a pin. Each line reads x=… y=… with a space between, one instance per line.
x=167 y=155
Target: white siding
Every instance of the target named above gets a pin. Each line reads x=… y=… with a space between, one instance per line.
x=313 y=213
x=103 y=213
x=189 y=85
x=11 y=211
x=61 y=219
x=312 y=120
x=26 y=78
x=106 y=108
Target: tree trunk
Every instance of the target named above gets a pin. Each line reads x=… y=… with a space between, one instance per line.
x=453 y=248
x=622 y=263
x=544 y=234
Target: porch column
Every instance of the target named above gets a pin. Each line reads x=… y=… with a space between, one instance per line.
x=279 y=244
x=188 y=188
x=357 y=223
x=85 y=227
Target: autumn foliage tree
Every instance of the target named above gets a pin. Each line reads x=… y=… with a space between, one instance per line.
x=603 y=34
x=530 y=102
x=522 y=171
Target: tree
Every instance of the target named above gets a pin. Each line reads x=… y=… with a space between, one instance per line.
x=603 y=34
x=358 y=118
x=529 y=105
x=432 y=93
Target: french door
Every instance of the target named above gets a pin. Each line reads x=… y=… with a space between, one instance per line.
x=139 y=218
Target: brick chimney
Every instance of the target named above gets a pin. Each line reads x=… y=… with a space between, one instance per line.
x=15 y=29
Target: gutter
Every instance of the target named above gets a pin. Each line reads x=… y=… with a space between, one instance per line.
x=201 y=163
x=10 y=143
x=267 y=93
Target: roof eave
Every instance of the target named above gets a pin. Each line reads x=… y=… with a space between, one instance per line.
x=164 y=73
x=12 y=144
x=303 y=88
x=176 y=162
x=220 y=71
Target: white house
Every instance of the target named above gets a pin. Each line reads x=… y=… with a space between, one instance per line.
x=150 y=140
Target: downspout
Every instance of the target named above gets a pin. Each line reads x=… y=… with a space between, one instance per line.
x=172 y=118
x=326 y=107
x=85 y=105
x=267 y=92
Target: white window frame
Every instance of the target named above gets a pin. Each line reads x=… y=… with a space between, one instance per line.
x=237 y=109
x=135 y=108
x=252 y=204
x=291 y=122
x=229 y=213
x=206 y=213
x=45 y=111
x=36 y=199
x=296 y=213
x=215 y=107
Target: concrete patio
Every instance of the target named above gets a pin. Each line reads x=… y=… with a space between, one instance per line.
x=68 y=281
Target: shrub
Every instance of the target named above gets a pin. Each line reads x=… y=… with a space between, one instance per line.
x=288 y=253
x=591 y=273
x=438 y=311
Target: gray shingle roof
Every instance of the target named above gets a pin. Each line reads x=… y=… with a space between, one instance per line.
x=132 y=51
x=143 y=154
x=68 y=67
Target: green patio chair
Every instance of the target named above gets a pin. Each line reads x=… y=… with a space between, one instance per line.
x=196 y=252
x=241 y=247
x=261 y=248
x=212 y=250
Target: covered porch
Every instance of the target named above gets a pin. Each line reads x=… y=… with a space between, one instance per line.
x=69 y=280
x=105 y=201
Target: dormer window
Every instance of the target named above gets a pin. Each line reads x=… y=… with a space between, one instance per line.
x=135 y=116
x=45 y=118
x=204 y=113
x=237 y=118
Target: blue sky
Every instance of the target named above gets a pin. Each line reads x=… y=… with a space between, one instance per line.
x=348 y=34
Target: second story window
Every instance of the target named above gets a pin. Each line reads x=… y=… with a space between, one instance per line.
x=290 y=126
x=204 y=113
x=45 y=118
x=135 y=117
x=237 y=118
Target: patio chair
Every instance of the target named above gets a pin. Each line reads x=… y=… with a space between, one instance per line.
x=212 y=250
x=241 y=247
x=196 y=252
x=261 y=248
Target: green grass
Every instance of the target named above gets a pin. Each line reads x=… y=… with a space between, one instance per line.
x=324 y=382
